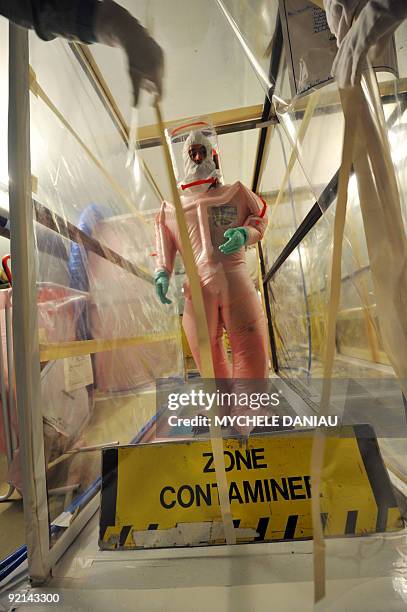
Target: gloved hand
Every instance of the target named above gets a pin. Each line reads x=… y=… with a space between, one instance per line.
x=340 y=14
x=376 y=22
x=162 y=282
x=116 y=27
x=236 y=238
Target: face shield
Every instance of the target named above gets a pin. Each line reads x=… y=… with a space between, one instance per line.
x=194 y=154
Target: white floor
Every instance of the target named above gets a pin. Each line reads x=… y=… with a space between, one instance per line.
x=363 y=574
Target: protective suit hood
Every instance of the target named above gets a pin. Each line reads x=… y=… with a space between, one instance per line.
x=197 y=171
x=199 y=177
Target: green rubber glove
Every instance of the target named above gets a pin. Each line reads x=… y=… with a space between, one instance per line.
x=236 y=238
x=162 y=282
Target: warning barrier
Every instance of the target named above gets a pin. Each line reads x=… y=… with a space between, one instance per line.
x=165 y=494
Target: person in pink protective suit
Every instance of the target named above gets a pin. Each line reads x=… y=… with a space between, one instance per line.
x=221 y=221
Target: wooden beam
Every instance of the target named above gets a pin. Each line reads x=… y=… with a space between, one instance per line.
x=233 y=115
x=331 y=98
x=61 y=350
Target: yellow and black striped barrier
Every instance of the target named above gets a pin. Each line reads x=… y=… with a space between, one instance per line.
x=165 y=494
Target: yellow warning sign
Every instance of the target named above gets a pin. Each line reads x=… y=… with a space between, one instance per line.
x=165 y=494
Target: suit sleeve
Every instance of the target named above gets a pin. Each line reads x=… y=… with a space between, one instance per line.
x=73 y=19
x=256 y=220
x=165 y=245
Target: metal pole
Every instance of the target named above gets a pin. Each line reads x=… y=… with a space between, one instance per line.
x=275 y=61
x=25 y=324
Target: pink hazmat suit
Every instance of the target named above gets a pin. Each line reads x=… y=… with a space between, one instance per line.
x=231 y=301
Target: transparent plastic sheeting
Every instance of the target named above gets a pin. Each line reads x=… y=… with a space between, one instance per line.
x=292 y=189
x=364 y=383
x=95 y=287
x=300 y=289
x=303 y=280
x=104 y=337
x=256 y=20
x=206 y=69
x=253 y=27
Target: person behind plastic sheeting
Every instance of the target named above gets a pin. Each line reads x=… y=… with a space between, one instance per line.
x=360 y=25
x=90 y=21
x=221 y=221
